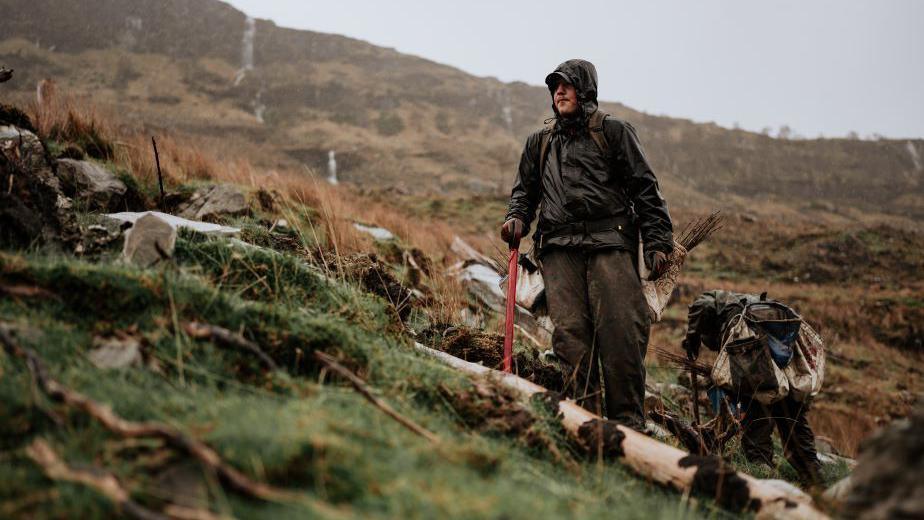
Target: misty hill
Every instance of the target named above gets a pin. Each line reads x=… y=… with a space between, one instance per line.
x=285 y=98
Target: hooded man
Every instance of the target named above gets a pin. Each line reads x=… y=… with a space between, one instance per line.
x=595 y=194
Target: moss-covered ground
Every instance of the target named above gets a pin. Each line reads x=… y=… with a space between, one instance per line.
x=299 y=428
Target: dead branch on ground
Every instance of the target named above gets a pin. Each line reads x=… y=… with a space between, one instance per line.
x=361 y=387
x=105 y=416
x=226 y=338
x=106 y=484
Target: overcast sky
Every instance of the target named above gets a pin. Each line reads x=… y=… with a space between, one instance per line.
x=819 y=66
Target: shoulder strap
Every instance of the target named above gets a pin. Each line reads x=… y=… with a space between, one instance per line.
x=546 y=139
x=595 y=126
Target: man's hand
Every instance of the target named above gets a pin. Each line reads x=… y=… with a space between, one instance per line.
x=692 y=348
x=512 y=232
x=659 y=265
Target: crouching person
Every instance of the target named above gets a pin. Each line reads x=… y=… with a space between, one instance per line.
x=770 y=362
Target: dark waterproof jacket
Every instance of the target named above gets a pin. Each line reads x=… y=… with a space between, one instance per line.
x=711 y=313
x=580 y=185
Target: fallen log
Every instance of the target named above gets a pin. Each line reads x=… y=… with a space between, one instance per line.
x=708 y=476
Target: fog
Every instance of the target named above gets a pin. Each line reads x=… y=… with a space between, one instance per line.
x=823 y=67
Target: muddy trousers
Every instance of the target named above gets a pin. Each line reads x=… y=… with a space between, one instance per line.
x=601 y=326
x=789 y=417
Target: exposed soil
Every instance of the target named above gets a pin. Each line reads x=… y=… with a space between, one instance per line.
x=374 y=276
x=488 y=349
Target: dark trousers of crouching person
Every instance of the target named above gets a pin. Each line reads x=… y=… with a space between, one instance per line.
x=789 y=418
x=601 y=325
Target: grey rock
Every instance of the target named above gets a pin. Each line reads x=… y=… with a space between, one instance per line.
x=380 y=234
x=115 y=352
x=33 y=206
x=887 y=482
x=99 y=188
x=209 y=203
x=178 y=222
x=150 y=241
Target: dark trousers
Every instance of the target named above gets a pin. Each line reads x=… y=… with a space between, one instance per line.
x=789 y=417
x=601 y=325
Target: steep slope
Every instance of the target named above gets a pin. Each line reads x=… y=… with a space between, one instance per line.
x=286 y=98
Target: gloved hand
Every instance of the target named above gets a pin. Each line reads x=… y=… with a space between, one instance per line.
x=512 y=232
x=657 y=264
x=691 y=347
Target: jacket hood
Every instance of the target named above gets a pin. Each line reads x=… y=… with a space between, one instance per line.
x=583 y=75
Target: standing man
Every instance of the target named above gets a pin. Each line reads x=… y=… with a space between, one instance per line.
x=595 y=194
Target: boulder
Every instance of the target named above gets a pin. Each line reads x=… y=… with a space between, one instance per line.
x=89 y=182
x=887 y=482
x=33 y=207
x=212 y=202
x=149 y=241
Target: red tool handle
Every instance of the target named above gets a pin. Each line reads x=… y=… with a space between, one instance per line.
x=511 y=306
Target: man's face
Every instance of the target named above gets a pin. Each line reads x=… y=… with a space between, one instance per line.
x=565 y=99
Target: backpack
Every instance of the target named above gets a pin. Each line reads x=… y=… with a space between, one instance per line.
x=769 y=352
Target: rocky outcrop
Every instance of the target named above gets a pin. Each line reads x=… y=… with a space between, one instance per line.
x=95 y=186
x=887 y=482
x=212 y=202
x=33 y=206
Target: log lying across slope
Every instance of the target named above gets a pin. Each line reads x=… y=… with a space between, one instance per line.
x=708 y=476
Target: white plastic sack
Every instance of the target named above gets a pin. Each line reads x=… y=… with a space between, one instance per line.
x=529 y=287
x=806 y=371
x=658 y=292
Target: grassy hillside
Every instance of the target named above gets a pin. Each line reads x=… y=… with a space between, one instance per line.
x=98 y=354
x=77 y=425
x=826 y=225
x=397 y=120
x=298 y=428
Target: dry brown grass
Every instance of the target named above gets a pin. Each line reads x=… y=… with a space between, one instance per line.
x=69 y=120
x=338 y=208
x=845 y=427
x=180 y=162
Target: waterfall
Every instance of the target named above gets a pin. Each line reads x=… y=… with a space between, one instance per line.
x=258 y=107
x=250 y=31
x=332 y=167
x=507 y=114
x=915 y=157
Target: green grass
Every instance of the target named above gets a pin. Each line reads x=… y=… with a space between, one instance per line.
x=297 y=429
